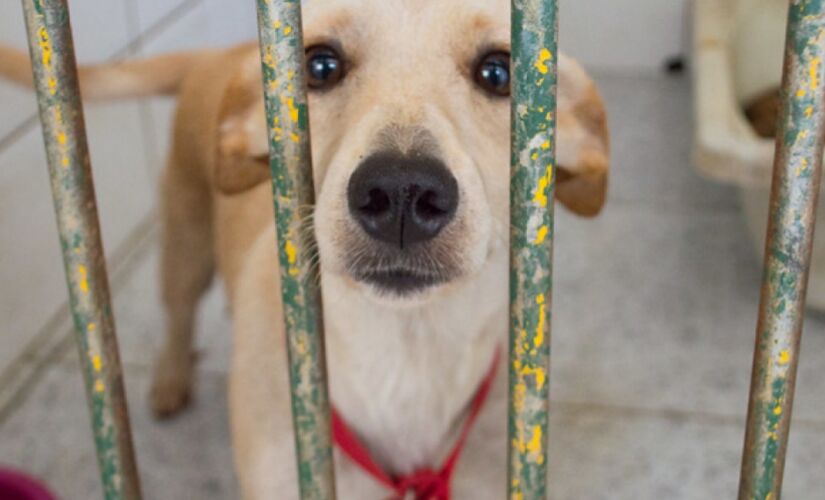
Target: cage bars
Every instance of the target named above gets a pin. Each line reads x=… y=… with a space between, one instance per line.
x=796 y=181
x=282 y=61
x=61 y=113
x=532 y=186
x=534 y=64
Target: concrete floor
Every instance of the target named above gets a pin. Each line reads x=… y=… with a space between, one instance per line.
x=655 y=309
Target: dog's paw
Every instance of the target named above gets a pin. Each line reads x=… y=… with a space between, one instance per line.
x=171 y=386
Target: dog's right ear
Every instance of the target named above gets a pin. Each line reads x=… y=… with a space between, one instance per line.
x=242 y=156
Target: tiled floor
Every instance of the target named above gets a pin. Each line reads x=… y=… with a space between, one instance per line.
x=655 y=310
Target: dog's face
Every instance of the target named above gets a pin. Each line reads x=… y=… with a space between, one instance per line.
x=410 y=120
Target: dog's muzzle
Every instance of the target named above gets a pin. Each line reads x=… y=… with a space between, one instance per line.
x=402 y=203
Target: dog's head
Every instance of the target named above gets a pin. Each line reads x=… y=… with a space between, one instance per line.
x=410 y=121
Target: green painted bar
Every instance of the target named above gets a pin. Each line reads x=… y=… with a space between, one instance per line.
x=282 y=58
x=535 y=62
x=797 y=173
x=61 y=113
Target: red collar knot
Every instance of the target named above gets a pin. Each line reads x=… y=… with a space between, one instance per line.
x=424 y=484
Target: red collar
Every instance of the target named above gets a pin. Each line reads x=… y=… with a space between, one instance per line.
x=426 y=484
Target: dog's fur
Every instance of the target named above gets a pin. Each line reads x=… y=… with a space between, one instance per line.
x=403 y=367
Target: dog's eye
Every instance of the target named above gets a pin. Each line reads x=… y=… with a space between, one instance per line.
x=324 y=67
x=493 y=73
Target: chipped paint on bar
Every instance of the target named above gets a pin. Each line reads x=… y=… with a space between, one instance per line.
x=797 y=173
x=61 y=113
x=282 y=58
x=534 y=45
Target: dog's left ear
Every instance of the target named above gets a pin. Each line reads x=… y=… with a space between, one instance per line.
x=242 y=146
x=583 y=142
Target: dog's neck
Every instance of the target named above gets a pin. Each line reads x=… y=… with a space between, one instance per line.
x=402 y=379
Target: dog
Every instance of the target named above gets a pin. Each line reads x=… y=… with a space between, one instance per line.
x=410 y=126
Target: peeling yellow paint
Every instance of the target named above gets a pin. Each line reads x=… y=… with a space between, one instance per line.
x=541 y=235
x=814 y=72
x=538 y=372
x=287 y=30
x=519 y=396
x=291 y=252
x=99 y=386
x=97 y=364
x=45 y=47
x=84 y=278
x=784 y=357
x=544 y=57
x=542 y=302
x=534 y=446
x=777 y=411
x=293 y=111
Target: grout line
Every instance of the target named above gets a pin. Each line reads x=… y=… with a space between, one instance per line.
x=673 y=208
x=153 y=31
x=158 y=28
x=72 y=363
x=696 y=416
x=49 y=344
x=18 y=132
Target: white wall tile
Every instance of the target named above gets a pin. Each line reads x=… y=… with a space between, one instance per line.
x=625 y=35
x=99 y=30
x=32 y=285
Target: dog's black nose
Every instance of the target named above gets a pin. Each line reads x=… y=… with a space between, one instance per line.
x=402 y=200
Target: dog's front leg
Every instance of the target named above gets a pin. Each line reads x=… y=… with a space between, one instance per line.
x=262 y=436
x=259 y=398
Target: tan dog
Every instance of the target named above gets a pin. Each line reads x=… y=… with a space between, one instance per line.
x=410 y=127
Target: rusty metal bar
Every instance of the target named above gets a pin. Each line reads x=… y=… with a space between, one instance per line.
x=61 y=113
x=284 y=79
x=796 y=180
x=535 y=63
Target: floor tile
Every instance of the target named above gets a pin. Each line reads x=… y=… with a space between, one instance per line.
x=186 y=458
x=598 y=456
x=658 y=309
x=651 y=127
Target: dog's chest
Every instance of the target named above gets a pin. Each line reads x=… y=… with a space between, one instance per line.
x=405 y=394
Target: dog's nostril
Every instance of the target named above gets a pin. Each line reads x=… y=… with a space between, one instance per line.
x=376 y=202
x=432 y=206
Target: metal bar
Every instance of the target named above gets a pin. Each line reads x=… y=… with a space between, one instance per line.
x=64 y=133
x=532 y=186
x=796 y=180
x=282 y=59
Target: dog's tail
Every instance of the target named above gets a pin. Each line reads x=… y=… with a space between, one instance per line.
x=161 y=75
